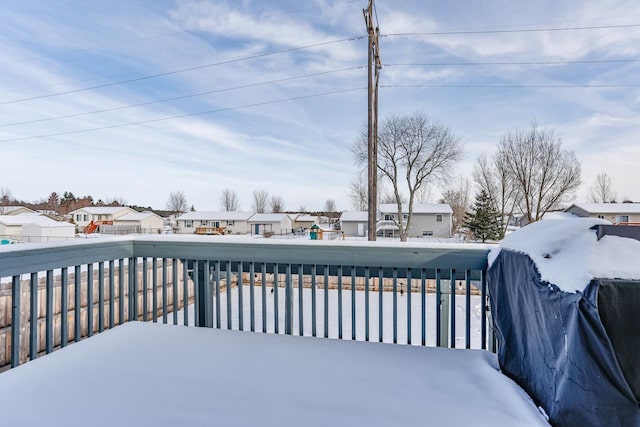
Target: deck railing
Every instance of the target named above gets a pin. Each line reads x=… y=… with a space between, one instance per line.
x=54 y=294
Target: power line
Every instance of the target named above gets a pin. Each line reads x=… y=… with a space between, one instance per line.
x=485 y=86
x=183 y=70
x=522 y=30
x=437 y=64
x=193 y=95
x=180 y=116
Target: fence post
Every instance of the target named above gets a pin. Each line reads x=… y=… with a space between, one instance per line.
x=445 y=304
x=203 y=282
x=288 y=303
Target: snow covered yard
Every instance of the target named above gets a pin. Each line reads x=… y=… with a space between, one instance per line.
x=164 y=375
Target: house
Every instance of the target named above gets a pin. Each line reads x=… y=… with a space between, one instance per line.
x=233 y=222
x=277 y=223
x=138 y=222
x=14 y=210
x=98 y=214
x=617 y=213
x=354 y=223
x=33 y=227
x=305 y=221
x=428 y=220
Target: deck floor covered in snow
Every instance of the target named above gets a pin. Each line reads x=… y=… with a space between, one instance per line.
x=164 y=375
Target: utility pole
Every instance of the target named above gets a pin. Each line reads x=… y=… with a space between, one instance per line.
x=373 y=71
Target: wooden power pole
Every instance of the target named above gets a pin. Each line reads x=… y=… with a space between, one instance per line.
x=373 y=70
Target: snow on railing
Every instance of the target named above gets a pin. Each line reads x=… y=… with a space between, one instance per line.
x=400 y=293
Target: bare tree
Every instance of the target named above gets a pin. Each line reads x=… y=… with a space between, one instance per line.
x=302 y=209
x=492 y=176
x=116 y=201
x=413 y=151
x=457 y=196
x=5 y=196
x=53 y=202
x=229 y=200
x=260 y=200
x=602 y=191
x=330 y=205
x=277 y=204
x=546 y=176
x=177 y=203
x=359 y=193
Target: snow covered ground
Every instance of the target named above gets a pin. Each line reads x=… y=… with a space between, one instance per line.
x=387 y=314
x=163 y=375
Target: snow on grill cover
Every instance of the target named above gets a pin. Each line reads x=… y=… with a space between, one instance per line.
x=566 y=310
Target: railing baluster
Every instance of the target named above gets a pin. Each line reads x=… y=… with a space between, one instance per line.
x=240 y=299
x=339 y=302
x=196 y=291
x=101 y=296
x=218 y=316
x=452 y=308
x=366 y=304
x=353 y=303
x=288 y=301
x=252 y=314
x=483 y=312
x=154 y=289
x=438 y=308
x=275 y=298
x=121 y=315
x=208 y=295
x=409 y=306
x=174 y=288
x=380 y=301
x=89 y=300
x=33 y=317
x=467 y=329
x=313 y=301
x=77 y=331
x=326 y=301
x=165 y=302
x=112 y=312
x=185 y=293
x=263 y=270
x=64 y=307
x=133 y=288
x=423 y=306
x=300 y=300
x=145 y=289
x=229 y=319
x=49 y=312
x=15 y=321
x=395 y=305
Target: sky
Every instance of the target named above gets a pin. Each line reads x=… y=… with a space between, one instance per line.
x=251 y=95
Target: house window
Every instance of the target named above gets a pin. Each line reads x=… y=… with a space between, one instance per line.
x=230 y=223
x=389 y=217
x=405 y=217
x=86 y=217
x=438 y=218
x=601 y=216
x=427 y=233
x=188 y=224
x=203 y=222
x=78 y=217
x=622 y=218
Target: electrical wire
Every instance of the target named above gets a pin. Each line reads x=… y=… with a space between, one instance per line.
x=183 y=70
x=484 y=86
x=180 y=116
x=447 y=64
x=192 y=95
x=522 y=30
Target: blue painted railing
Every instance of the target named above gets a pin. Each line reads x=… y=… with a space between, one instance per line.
x=346 y=290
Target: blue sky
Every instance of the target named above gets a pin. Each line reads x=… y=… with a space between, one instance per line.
x=297 y=149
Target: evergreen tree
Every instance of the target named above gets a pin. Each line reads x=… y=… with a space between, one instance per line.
x=483 y=222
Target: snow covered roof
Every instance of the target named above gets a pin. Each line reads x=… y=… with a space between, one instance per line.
x=265 y=218
x=354 y=216
x=102 y=210
x=429 y=208
x=137 y=216
x=603 y=208
x=8 y=209
x=568 y=254
x=215 y=216
x=307 y=218
x=31 y=218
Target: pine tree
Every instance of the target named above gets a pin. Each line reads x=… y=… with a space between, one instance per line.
x=483 y=221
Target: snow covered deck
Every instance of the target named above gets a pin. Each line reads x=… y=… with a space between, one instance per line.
x=165 y=375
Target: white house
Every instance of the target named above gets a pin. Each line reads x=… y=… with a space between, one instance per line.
x=33 y=227
x=138 y=222
x=305 y=221
x=353 y=223
x=103 y=214
x=428 y=220
x=234 y=222
x=617 y=213
x=274 y=222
